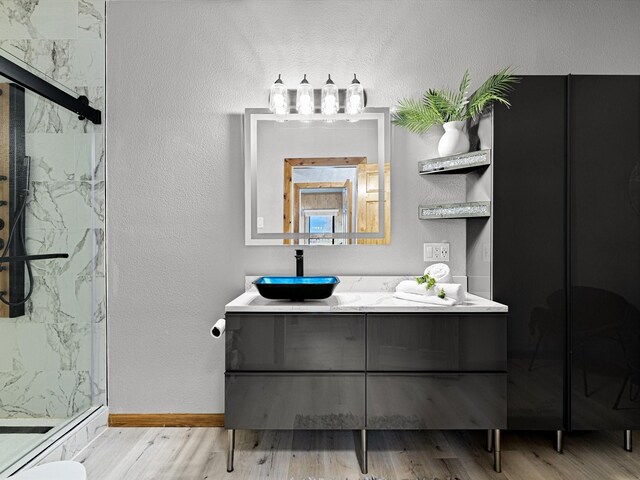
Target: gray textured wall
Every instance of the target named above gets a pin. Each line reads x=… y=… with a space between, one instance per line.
x=178 y=76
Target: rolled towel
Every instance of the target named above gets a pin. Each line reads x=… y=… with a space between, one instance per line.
x=432 y=300
x=411 y=286
x=440 y=272
x=452 y=291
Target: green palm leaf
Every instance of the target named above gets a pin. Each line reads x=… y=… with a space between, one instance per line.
x=465 y=82
x=495 y=89
x=444 y=105
x=416 y=116
x=445 y=101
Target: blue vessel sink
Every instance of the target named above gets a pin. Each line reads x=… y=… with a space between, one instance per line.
x=296 y=288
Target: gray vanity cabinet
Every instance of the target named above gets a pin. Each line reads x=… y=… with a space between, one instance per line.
x=430 y=401
x=406 y=371
x=445 y=342
x=365 y=371
x=295 y=371
x=295 y=342
x=295 y=401
x=436 y=371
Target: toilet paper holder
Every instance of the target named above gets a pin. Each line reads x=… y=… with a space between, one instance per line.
x=218 y=328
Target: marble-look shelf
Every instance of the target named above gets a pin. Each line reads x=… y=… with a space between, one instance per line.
x=462 y=161
x=364 y=302
x=455 y=210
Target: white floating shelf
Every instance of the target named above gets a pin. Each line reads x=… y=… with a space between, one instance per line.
x=454 y=162
x=455 y=210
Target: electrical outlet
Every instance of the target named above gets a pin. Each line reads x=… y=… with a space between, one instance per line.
x=436 y=252
x=260 y=222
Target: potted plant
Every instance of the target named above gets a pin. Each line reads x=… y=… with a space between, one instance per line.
x=452 y=109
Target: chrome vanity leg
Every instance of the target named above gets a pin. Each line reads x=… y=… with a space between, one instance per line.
x=628 y=446
x=363 y=440
x=559 y=440
x=231 y=439
x=497 y=460
x=489 y=440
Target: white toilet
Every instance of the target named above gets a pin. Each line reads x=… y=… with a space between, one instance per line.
x=64 y=470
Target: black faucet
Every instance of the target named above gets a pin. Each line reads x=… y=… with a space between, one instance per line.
x=299 y=263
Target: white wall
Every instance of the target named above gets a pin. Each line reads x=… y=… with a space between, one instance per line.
x=179 y=76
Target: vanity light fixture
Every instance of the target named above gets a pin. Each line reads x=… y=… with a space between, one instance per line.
x=304 y=98
x=279 y=98
x=330 y=102
x=354 y=101
x=330 y=98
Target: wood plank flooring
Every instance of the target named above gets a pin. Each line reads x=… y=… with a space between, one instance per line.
x=200 y=453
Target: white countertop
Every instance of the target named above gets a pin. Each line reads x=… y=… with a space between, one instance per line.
x=367 y=302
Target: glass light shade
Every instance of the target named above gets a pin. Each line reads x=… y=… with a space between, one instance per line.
x=354 y=101
x=304 y=98
x=279 y=98
x=330 y=100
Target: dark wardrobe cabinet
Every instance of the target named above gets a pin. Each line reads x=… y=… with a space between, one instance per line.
x=567 y=250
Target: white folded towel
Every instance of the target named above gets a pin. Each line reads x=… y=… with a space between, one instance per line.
x=448 y=302
x=411 y=286
x=453 y=291
x=440 y=272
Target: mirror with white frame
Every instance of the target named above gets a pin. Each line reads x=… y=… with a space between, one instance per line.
x=317 y=180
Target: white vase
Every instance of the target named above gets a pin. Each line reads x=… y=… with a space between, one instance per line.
x=455 y=140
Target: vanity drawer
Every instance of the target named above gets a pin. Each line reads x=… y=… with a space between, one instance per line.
x=285 y=401
x=443 y=343
x=276 y=342
x=440 y=402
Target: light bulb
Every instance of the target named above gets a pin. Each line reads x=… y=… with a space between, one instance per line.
x=279 y=98
x=329 y=107
x=354 y=103
x=330 y=104
x=304 y=98
x=355 y=97
x=305 y=104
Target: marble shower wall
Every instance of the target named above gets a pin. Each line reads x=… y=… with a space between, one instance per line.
x=53 y=360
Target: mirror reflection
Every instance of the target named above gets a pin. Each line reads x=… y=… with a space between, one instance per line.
x=319 y=183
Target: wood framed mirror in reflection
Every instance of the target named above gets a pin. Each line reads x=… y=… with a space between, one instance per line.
x=329 y=196
x=309 y=181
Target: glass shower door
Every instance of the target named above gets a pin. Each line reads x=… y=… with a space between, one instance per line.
x=51 y=270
